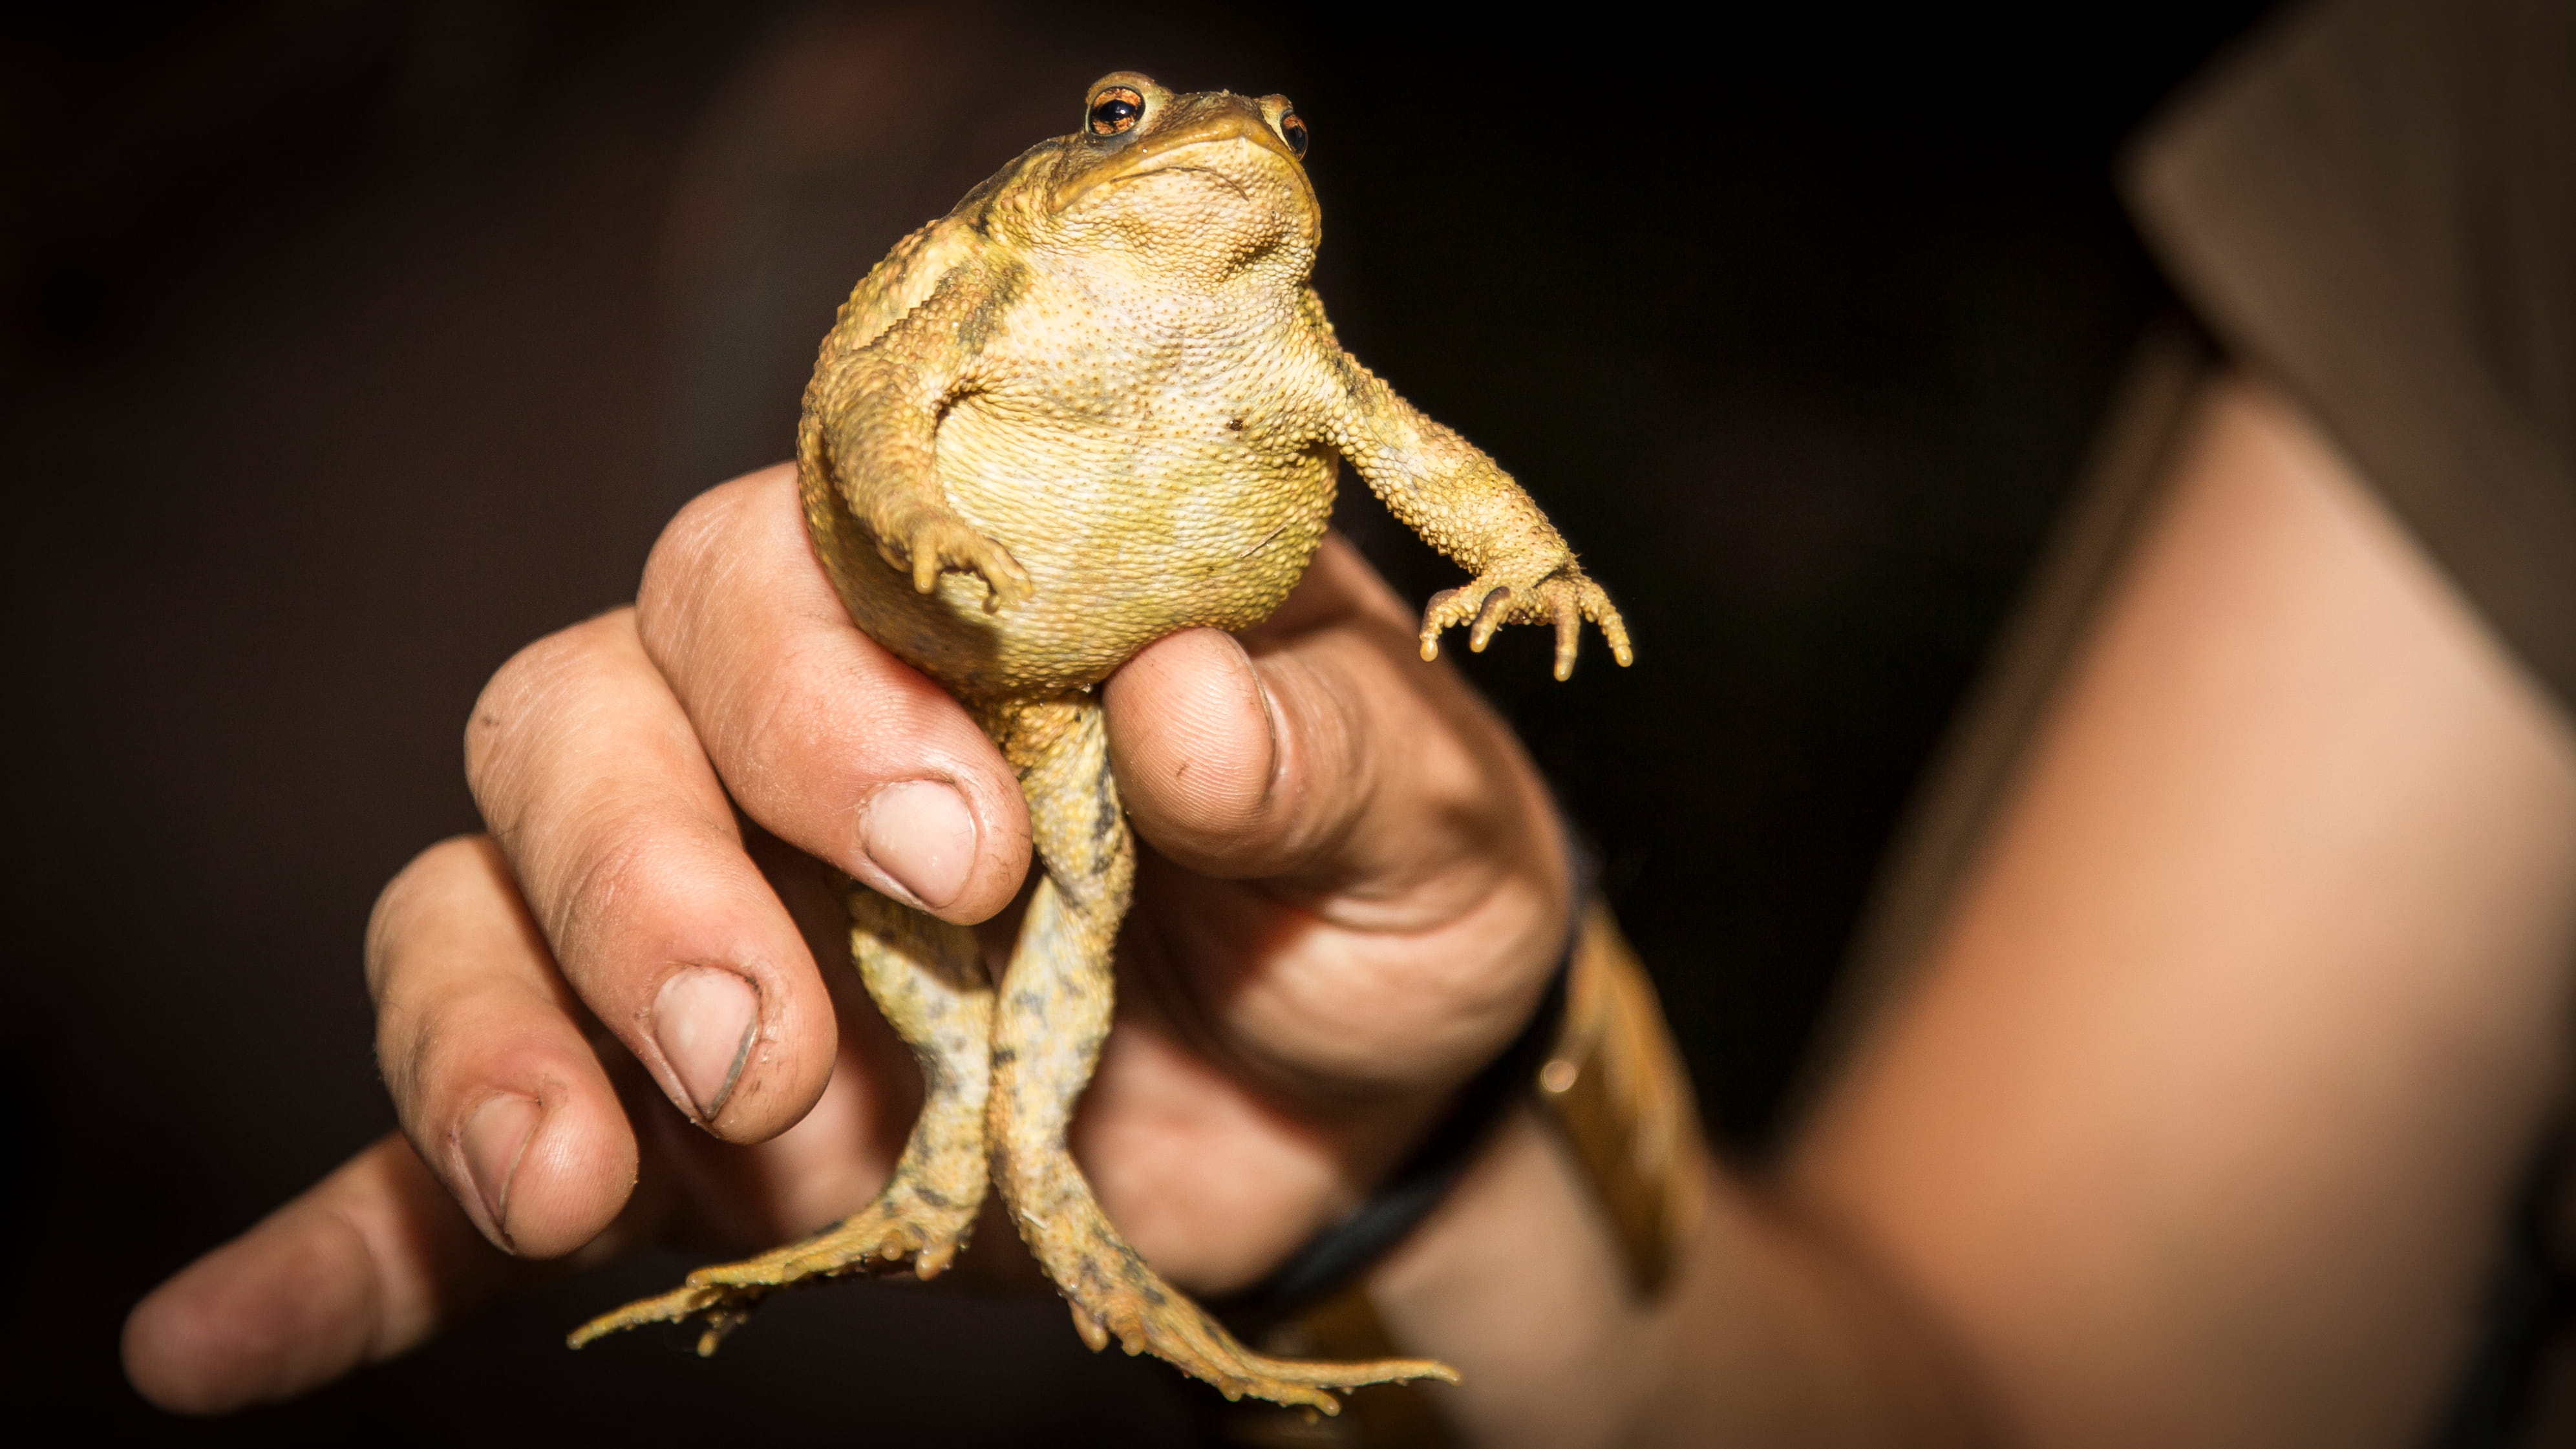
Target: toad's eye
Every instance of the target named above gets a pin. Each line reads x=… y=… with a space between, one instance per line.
x=1293 y=131
x=1115 y=110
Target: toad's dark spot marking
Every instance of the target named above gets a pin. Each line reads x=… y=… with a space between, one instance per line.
x=1105 y=790
x=930 y=1195
x=1234 y=425
x=1004 y=1054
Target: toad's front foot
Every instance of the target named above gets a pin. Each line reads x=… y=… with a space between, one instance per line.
x=1564 y=598
x=927 y=542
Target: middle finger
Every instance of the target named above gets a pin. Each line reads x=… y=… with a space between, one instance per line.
x=826 y=738
x=627 y=851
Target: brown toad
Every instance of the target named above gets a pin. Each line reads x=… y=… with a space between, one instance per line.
x=1095 y=404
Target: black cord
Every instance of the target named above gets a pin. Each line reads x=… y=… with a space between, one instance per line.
x=1333 y=1257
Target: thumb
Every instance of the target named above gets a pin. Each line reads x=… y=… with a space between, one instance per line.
x=365 y=1265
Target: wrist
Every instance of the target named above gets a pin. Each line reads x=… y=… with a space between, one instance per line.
x=1533 y=1232
x=1519 y=1281
x=1332 y=1260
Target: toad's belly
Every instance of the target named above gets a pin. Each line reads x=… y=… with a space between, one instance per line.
x=1125 y=539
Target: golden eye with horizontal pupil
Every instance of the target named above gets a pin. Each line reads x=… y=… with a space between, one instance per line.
x=1293 y=131
x=1115 y=110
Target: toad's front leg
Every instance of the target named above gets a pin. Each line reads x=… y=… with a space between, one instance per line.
x=1048 y=1025
x=868 y=441
x=1462 y=503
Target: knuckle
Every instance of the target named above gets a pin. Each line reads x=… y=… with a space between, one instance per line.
x=625 y=880
x=398 y=906
x=608 y=869
x=696 y=533
x=522 y=695
x=413 y=916
x=701 y=549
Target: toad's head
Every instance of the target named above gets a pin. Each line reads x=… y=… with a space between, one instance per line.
x=1208 y=184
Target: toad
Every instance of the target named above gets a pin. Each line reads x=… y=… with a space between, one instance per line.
x=1096 y=403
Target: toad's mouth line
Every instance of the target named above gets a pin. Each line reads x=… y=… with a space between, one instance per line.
x=1143 y=172
x=1198 y=147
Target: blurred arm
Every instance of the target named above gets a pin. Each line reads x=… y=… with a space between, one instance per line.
x=2206 y=1111
x=2200 y=1122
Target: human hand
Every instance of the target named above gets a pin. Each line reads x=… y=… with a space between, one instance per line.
x=1351 y=896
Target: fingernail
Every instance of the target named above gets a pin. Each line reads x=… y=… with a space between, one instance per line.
x=921 y=833
x=704 y=1021
x=495 y=1138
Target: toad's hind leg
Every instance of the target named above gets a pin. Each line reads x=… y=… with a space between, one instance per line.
x=1052 y=1015
x=927 y=976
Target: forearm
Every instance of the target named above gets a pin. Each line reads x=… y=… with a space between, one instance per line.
x=873 y=408
x=1440 y=485
x=1765 y=1333
x=880 y=444
x=2204 y=1110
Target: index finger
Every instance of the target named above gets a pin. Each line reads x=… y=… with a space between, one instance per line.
x=822 y=735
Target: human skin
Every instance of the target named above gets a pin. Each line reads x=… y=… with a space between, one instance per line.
x=2205 y=1118
x=1355 y=897
x=2196 y=1125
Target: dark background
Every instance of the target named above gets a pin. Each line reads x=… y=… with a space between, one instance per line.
x=350 y=346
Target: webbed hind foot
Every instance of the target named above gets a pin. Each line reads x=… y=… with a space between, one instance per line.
x=903 y=1223
x=1113 y=1294
x=927 y=976
x=1049 y=1021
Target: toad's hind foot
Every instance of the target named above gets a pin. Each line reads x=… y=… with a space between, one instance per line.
x=927 y=976
x=722 y=1311
x=1049 y=1021
x=903 y=1223
x=1114 y=1295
